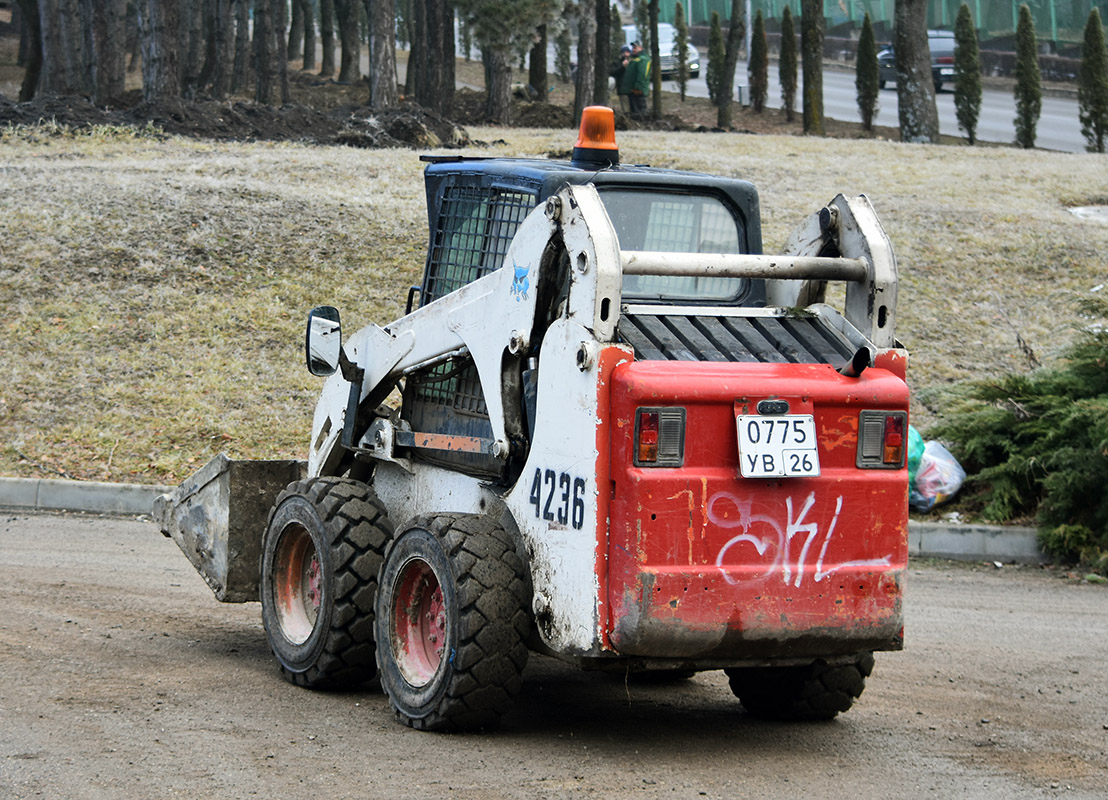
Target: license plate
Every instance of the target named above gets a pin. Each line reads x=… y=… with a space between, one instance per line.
x=777 y=447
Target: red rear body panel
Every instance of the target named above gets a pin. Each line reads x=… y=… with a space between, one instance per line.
x=705 y=564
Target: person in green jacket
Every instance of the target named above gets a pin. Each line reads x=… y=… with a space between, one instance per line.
x=636 y=80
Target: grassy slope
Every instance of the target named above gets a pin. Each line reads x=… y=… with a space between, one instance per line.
x=155 y=291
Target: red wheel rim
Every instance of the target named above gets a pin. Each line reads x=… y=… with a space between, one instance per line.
x=297 y=583
x=418 y=623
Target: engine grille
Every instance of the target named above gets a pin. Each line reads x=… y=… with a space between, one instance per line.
x=796 y=340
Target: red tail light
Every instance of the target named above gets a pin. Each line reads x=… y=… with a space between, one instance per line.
x=659 y=437
x=893 y=450
x=882 y=439
x=647 y=444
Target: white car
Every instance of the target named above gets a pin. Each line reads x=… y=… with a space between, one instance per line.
x=667 y=46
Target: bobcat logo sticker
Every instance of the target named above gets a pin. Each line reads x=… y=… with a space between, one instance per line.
x=521 y=283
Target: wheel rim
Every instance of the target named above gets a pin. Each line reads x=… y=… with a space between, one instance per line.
x=298 y=582
x=418 y=622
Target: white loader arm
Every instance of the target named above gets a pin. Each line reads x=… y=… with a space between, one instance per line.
x=849 y=224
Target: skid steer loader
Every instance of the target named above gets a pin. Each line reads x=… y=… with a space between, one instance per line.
x=624 y=437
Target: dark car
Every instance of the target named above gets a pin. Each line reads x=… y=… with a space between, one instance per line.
x=941 y=44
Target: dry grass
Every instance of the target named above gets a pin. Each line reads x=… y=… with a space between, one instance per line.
x=155 y=290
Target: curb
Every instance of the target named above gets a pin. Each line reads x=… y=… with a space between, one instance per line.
x=89 y=496
x=925 y=539
x=960 y=542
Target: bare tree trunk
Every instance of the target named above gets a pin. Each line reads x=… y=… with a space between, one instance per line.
x=811 y=60
x=106 y=46
x=585 y=84
x=536 y=73
x=240 y=70
x=309 y=33
x=158 y=25
x=192 y=29
x=448 y=54
x=64 y=61
x=263 y=52
x=296 y=32
x=656 y=59
x=435 y=81
x=349 y=64
x=280 y=48
x=382 y=54
x=915 y=85
x=498 y=84
x=417 y=54
x=603 y=52
x=736 y=32
x=32 y=69
x=327 y=37
x=218 y=59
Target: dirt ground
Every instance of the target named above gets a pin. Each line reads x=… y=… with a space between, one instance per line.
x=124 y=678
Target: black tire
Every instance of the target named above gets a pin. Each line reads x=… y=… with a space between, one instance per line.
x=817 y=691
x=452 y=585
x=322 y=552
x=881 y=84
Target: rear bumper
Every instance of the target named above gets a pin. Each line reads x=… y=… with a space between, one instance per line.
x=709 y=566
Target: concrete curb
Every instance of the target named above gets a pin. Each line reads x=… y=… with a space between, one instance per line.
x=89 y=496
x=925 y=539
x=960 y=542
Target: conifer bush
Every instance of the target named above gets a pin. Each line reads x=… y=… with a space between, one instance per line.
x=1037 y=445
x=786 y=64
x=1092 y=85
x=967 y=74
x=680 y=46
x=716 y=57
x=867 y=75
x=1029 y=89
x=759 y=65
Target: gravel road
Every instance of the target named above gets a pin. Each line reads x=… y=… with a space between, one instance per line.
x=122 y=677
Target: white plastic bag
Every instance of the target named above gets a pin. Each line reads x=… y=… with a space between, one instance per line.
x=938 y=478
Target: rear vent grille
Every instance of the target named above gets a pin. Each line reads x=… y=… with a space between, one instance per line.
x=676 y=337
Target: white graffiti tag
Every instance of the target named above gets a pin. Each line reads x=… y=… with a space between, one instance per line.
x=790 y=545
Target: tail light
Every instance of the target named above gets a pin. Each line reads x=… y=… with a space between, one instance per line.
x=882 y=439
x=659 y=437
x=944 y=60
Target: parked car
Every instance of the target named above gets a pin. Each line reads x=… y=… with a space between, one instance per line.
x=667 y=46
x=941 y=44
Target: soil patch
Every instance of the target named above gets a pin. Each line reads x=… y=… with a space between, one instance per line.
x=406 y=125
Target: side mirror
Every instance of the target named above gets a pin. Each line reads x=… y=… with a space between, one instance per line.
x=323 y=343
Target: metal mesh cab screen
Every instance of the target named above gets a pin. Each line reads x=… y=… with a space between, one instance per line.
x=455 y=386
x=475 y=226
x=677 y=337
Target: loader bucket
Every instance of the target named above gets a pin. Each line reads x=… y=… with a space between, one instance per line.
x=218 y=517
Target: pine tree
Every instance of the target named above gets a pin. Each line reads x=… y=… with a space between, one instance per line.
x=967 y=74
x=616 y=32
x=759 y=65
x=681 y=47
x=1092 y=85
x=867 y=76
x=787 y=64
x=642 y=24
x=563 y=46
x=716 y=56
x=1029 y=90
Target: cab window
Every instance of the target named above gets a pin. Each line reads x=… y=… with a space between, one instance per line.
x=675 y=223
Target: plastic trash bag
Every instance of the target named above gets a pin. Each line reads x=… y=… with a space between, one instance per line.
x=938 y=477
x=915 y=453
